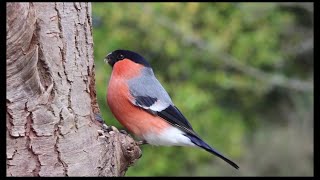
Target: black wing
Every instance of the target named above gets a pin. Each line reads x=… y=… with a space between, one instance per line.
x=145 y=101
x=171 y=113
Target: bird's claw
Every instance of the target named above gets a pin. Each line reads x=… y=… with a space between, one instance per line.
x=122 y=131
x=105 y=128
x=139 y=143
x=99 y=118
x=108 y=129
x=111 y=129
x=100 y=132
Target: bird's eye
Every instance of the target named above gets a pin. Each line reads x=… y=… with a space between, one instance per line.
x=120 y=57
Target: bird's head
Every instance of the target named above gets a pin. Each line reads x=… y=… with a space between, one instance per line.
x=120 y=55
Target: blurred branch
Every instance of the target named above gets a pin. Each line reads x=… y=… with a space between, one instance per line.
x=191 y=39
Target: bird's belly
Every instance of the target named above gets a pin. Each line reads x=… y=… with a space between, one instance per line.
x=170 y=136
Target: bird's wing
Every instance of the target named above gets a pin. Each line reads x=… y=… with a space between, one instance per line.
x=171 y=114
x=148 y=93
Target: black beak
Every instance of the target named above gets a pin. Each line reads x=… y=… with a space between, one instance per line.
x=109 y=59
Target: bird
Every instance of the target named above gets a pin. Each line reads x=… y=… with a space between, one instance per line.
x=141 y=104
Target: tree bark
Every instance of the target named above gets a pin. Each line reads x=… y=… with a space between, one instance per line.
x=51 y=98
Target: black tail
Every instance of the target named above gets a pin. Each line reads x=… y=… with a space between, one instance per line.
x=202 y=144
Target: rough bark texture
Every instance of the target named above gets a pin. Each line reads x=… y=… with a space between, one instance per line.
x=51 y=99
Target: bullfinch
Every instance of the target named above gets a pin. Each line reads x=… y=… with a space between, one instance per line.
x=140 y=103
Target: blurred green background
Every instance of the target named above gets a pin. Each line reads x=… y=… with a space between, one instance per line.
x=242 y=73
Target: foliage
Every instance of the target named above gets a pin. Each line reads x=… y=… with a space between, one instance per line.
x=231 y=68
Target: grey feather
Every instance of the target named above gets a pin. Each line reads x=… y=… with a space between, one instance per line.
x=147 y=85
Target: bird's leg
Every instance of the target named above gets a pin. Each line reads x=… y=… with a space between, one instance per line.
x=99 y=118
x=142 y=142
x=105 y=128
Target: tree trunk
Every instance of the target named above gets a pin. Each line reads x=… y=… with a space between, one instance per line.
x=51 y=98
